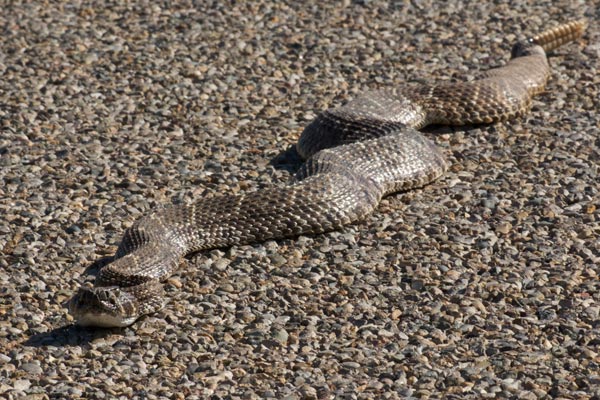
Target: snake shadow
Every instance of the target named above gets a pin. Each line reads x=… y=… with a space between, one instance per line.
x=288 y=160
x=70 y=335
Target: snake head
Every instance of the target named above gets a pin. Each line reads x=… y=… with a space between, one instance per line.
x=526 y=48
x=115 y=306
x=105 y=306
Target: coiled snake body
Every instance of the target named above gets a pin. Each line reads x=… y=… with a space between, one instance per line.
x=356 y=154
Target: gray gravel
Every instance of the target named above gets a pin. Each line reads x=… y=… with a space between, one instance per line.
x=483 y=284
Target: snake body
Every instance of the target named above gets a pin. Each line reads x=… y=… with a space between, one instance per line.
x=356 y=154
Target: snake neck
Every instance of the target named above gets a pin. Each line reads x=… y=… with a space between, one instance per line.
x=142 y=263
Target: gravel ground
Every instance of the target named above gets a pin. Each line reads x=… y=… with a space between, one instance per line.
x=483 y=284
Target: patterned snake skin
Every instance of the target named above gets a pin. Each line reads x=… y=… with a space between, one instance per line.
x=356 y=154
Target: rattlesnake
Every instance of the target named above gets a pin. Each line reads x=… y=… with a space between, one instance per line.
x=356 y=154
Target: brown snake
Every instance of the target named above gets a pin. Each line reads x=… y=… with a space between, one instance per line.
x=356 y=154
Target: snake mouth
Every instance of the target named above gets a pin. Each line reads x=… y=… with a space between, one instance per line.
x=105 y=307
x=104 y=320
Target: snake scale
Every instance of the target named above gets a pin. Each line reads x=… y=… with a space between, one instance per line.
x=356 y=154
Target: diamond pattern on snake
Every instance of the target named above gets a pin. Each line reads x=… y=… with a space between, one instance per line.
x=355 y=154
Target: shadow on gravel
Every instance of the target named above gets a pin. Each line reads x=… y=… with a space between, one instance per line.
x=69 y=335
x=288 y=160
x=96 y=266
